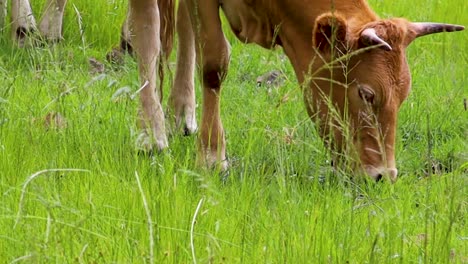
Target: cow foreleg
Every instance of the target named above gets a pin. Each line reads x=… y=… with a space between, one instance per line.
x=51 y=23
x=22 y=22
x=182 y=97
x=146 y=29
x=214 y=55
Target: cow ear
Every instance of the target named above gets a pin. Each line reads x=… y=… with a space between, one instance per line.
x=330 y=33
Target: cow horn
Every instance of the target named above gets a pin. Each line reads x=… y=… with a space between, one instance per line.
x=427 y=28
x=369 y=38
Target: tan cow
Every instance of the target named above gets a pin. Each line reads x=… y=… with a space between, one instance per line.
x=350 y=63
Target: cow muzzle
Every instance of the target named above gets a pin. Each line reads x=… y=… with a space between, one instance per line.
x=381 y=173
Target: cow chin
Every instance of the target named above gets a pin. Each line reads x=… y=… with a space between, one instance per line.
x=379 y=173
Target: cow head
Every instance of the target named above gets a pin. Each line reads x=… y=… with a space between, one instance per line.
x=360 y=74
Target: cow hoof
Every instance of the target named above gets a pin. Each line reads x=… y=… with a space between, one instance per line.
x=190 y=127
x=186 y=131
x=211 y=162
x=22 y=35
x=146 y=144
x=224 y=165
x=181 y=122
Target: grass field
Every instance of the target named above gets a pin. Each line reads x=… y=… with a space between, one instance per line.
x=280 y=203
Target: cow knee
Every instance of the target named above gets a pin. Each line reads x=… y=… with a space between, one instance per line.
x=214 y=73
x=213 y=76
x=215 y=62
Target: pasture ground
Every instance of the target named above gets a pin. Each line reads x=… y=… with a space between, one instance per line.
x=280 y=203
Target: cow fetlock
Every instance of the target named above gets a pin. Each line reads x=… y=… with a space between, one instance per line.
x=151 y=121
x=182 y=98
x=182 y=111
x=152 y=134
x=149 y=141
x=214 y=158
x=212 y=145
x=51 y=23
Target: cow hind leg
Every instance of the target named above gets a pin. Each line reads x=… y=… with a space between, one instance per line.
x=22 y=22
x=126 y=35
x=146 y=28
x=116 y=55
x=182 y=97
x=52 y=20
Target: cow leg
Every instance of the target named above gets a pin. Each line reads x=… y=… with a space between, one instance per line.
x=182 y=97
x=125 y=46
x=213 y=51
x=51 y=23
x=22 y=21
x=126 y=35
x=146 y=27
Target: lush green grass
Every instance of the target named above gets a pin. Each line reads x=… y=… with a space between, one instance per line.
x=280 y=203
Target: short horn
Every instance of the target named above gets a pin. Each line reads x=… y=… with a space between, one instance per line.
x=369 y=38
x=427 y=28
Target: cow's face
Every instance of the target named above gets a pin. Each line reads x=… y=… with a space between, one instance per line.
x=362 y=80
x=377 y=84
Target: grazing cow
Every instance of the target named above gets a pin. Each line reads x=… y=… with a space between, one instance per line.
x=350 y=63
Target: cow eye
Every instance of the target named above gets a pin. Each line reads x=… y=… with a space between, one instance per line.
x=366 y=94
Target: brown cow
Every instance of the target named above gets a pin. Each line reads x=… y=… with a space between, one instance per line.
x=350 y=63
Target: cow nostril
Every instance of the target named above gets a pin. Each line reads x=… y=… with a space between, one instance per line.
x=378 y=177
